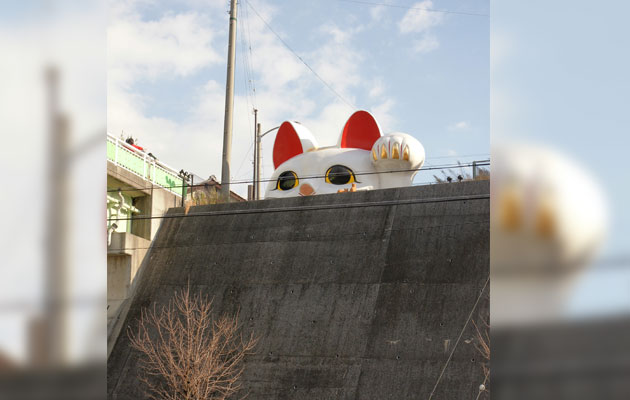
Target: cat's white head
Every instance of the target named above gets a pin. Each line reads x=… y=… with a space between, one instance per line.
x=363 y=157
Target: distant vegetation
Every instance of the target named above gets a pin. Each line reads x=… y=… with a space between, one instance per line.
x=462 y=173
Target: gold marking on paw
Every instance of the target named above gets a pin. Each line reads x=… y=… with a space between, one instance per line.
x=396 y=151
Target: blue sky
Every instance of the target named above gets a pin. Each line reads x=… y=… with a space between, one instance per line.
x=559 y=78
x=423 y=73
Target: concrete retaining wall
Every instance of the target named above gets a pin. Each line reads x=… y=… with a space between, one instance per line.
x=349 y=303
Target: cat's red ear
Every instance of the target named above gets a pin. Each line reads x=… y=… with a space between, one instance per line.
x=360 y=132
x=292 y=139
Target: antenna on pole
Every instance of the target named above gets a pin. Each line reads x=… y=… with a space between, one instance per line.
x=229 y=106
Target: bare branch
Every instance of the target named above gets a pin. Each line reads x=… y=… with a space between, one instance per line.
x=186 y=354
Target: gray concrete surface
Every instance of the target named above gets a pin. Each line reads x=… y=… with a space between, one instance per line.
x=349 y=303
x=125 y=256
x=151 y=199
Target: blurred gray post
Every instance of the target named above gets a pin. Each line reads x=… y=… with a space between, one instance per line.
x=229 y=105
x=55 y=296
x=474 y=167
x=258 y=159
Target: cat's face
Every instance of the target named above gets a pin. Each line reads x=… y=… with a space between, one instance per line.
x=363 y=158
x=322 y=171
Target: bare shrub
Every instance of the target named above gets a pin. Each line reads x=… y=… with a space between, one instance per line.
x=483 y=347
x=186 y=354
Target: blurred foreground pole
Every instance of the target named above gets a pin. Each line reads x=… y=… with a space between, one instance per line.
x=54 y=324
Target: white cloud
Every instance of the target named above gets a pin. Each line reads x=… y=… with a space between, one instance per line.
x=339 y=35
x=285 y=89
x=419 y=20
x=426 y=44
x=459 y=126
x=337 y=62
x=383 y=114
x=177 y=44
x=377 y=88
x=377 y=13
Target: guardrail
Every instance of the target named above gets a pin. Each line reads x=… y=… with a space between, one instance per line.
x=145 y=166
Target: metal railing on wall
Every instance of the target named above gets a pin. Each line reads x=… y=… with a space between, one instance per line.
x=143 y=165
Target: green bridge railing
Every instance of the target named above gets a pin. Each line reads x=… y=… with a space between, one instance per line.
x=145 y=166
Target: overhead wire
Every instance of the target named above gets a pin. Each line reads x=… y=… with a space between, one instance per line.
x=247 y=75
x=450 y=356
x=482 y=388
x=308 y=208
x=348 y=103
x=251 y=146
x=369 y=3
x=359 y=173
x=462 y=156
x=32 y=305
x=251 y=56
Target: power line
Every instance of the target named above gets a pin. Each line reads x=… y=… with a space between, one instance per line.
x=34 y=305
x=415 y=8
x=458 y=155
x=483 y=385
x=249 y=125
x=251 y=146
x=251 y=56
x=448 y=360
x=309 y=208
x=302 y=60
x=246 y=61
x=247 y=181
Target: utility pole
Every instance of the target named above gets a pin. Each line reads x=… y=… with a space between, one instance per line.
x=258 y=163
x=255 y=180
x=229 y=105
x=258 y=158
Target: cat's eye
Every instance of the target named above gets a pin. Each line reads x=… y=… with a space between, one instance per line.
x=340 y=175
x=287 y=180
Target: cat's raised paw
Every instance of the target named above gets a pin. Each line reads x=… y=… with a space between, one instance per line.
x=398 y=149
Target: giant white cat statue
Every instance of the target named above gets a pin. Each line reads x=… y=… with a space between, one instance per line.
x=363 y=157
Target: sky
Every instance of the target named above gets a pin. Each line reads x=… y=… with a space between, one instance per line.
x=156 y=70
x=559 y=79
x=550 y=72
x=419 y=72
x=71 y=36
